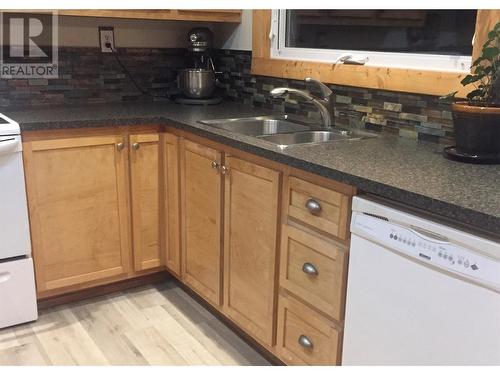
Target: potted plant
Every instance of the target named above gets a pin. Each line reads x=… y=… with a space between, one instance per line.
x=477 y=120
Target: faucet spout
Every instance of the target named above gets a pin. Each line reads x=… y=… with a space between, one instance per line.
x=324 y=104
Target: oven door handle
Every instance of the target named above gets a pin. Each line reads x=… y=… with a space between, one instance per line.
x=9 y=144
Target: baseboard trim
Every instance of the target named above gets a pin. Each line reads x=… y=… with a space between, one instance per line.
x=100 y=290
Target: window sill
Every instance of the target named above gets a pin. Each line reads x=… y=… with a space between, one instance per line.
x=428 y=82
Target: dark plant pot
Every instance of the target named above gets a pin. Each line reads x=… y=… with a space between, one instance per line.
x=477 y=129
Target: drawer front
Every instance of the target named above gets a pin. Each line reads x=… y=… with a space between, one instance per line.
x=314 y=269
x=305 y=337
x=320 y=207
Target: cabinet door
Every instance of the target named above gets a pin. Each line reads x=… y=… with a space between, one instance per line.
x=78 y=204
x=172 y=203
x=144 y=173
x=201 y=195
x=251 y=224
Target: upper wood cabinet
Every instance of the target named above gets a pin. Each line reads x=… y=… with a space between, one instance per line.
x=251 y=206
x=78 y=203
x=145 y=178
x=201 y=197
x=207 y=15
x=171 y=201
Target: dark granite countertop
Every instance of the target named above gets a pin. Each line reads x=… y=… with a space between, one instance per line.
x=409 y=172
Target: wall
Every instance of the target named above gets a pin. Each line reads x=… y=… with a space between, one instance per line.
x=236 y=37
x=83 y=32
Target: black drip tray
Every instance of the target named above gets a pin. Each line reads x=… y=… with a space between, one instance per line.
x=452 y=153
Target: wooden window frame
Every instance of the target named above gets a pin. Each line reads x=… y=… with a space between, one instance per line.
x=429 y=82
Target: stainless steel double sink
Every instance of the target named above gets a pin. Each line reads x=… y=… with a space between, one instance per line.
x=282 y=131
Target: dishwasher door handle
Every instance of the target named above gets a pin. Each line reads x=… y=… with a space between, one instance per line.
x=429 y=236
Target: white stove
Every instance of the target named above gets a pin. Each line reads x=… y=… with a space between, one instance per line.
x=17 y=282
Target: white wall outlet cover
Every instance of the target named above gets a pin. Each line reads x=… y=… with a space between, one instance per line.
x=106 y=35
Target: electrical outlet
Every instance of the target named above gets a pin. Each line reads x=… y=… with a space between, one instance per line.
x=106 y=35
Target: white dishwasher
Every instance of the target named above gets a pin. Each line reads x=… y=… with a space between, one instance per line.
x=419 y=292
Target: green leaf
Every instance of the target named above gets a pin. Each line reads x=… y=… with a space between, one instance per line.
x=490 y=52
x=478 y=61
x=492 y=34
x=483 y=71
x=471 y=78
x=475 y=93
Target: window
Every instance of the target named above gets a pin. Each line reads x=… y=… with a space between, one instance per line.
x=416 y=39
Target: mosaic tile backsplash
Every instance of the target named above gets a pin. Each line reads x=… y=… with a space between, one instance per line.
x=89 y=76
x=420 y=117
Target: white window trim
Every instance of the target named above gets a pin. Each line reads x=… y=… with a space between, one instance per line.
x=459 y=64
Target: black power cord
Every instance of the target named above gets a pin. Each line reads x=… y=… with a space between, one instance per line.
x=132 y=79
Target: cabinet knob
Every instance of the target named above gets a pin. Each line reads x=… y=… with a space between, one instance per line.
x=310 y=269
x=305 y=342
x=313 y=206
x=136 y=146
x=214 y=164
x=224 y=169
x=120 y=146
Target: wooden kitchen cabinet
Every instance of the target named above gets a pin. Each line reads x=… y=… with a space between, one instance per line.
x=320 y=207
x=314 y=268
x=207 y=15
x=78 y=204
x=171 y=201
x=251 y=225
x=145 y=194
x=201 y=197
x=305 y=337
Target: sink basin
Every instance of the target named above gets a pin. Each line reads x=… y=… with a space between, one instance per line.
x=256 y=126
x=283 y=132
x=314 y=136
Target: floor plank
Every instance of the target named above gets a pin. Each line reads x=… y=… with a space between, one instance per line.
x=152 y=325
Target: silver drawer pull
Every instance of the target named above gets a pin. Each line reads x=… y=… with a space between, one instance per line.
x=313 y=206
x=214 y=164
x=310 y=269
x=305 y=342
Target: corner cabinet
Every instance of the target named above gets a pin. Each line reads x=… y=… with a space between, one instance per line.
x=88 y=197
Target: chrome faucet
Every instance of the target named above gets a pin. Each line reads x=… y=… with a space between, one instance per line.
x=324 y=104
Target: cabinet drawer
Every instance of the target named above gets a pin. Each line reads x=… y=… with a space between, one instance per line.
x=320 y=207
x=314 y=269
x=305 y=337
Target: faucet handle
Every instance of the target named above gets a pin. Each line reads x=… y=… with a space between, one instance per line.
x=325 y=90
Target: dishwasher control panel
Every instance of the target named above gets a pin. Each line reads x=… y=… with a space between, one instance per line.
x=429 y=248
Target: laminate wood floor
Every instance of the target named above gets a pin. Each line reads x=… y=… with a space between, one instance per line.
x=153 y=325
